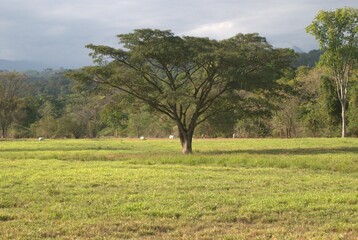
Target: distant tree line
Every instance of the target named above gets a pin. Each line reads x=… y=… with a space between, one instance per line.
x=48 y=104
x=309 y=59
x=51 y=105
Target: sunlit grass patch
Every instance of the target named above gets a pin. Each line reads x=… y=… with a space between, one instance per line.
x=131 y=189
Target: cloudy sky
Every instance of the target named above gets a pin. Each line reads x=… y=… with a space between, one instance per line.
x=55 y=31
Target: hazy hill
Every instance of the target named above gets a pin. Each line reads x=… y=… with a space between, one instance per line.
x=21 y=65
x=304 y=59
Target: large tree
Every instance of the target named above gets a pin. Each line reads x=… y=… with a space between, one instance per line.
x=184 y=77
x=337 y=33
x=11 y=84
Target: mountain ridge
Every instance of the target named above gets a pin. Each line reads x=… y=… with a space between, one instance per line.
x=21 y=65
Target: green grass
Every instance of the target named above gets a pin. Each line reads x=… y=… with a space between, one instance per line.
x=131 y=189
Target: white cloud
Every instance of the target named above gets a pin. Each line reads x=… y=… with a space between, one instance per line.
x=214 y=30
x=56 y=31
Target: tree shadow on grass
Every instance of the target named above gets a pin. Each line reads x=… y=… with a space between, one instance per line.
x=292 y=151
x=66 y=149
x=276 y=151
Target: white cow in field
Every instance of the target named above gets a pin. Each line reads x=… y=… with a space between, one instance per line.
x=171 y=137
x=41 y=138
x=142 y=138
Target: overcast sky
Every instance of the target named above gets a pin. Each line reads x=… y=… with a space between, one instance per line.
x=55 y=31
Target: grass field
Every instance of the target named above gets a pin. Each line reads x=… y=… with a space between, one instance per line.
x=132 y=189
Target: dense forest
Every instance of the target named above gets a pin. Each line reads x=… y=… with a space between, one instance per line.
x=49 y=104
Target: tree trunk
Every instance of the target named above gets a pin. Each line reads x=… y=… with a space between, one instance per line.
x=186 y=146
x=186 y=139
x=3 y=131
x=344 y=125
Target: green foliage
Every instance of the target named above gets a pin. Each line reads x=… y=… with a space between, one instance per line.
x=285 y=122
x=184 y=78
x=252 y=127
x=310 y=107
x=28 y=111
x=353 y=111
x=337 y=33
x=321 y=109
x=114 y=116
x=309 y=59
x=45 y=127
x=11 y=83
x=330 y=102
x=336 y=30
x=218 y=125
x=69 y=126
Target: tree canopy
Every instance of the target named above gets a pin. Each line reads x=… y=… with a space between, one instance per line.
x=185 y=77
x=11 y=84
x=337 y=34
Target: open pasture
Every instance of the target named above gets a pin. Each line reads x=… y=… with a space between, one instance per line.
x=132 y=189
